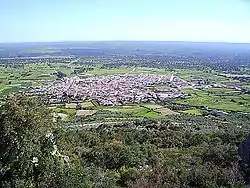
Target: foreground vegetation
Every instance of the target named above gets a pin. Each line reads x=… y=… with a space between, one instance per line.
x=182 y=151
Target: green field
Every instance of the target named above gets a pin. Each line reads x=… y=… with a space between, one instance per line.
x=67 y=111
x=223 y=99
x=36 y=74
x=195 y=112
x=13 y=80
x=135 y=110
x=131 y=110
x=98 y=70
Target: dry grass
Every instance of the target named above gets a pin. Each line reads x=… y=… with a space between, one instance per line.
x=85 y=112
x=152 y=106
x=166 y=111
x=71 y=105
x=87 y=104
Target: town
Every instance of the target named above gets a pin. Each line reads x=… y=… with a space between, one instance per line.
x=113 y=90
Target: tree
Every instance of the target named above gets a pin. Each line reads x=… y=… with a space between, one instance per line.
x=27 y=144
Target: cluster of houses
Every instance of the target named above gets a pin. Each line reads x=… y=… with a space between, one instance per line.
x=113 y=90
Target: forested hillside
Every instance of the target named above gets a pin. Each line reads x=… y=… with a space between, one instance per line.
x=38 y=150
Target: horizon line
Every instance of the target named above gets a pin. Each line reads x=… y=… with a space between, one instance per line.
x=73 y=41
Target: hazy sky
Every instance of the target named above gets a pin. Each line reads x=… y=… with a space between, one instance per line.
x=167 y=20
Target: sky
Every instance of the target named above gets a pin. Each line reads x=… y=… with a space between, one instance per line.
x=146 y=20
